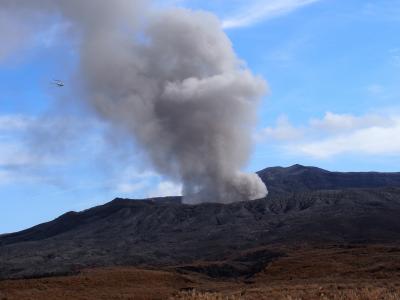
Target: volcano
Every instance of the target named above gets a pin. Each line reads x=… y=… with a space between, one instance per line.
x=305 y=206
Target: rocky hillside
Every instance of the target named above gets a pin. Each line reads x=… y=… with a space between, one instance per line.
x=306 y=206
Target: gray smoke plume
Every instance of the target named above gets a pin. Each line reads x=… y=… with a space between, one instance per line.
x=171 y=80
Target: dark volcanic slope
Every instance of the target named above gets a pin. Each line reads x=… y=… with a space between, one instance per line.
x=165 y=232
x=299 y=178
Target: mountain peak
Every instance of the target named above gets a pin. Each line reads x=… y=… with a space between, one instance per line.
x=297 y=166
x=298 y=178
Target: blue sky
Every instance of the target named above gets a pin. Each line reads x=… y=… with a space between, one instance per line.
x=333 y=70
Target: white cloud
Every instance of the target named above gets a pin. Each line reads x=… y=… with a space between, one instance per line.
x=337 y=134
x=166 y=188
x=241 y=13
x=283 y=131
x=252 y=12
x=13 y=154
x=133 y=181
x=17 y=144
x=373 y=140
x=6 y=177
x=21 y=162
x=14 y=122
x=128 y=188
x=13 y=176
x=31 y=148
x=345 y=122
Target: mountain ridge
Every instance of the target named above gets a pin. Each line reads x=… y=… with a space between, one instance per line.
x=305 y=178
x=165 y=232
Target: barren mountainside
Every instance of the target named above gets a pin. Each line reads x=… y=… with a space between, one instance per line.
x=306 y=205
x=298 y=178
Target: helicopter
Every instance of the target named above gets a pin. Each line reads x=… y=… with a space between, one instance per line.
x=58 y=83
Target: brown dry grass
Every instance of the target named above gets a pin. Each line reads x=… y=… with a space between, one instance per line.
x=195 y=295
x=357 y=294
x=365 y=273
x=113 y=283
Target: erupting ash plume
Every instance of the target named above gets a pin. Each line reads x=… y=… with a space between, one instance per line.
x=172 y=81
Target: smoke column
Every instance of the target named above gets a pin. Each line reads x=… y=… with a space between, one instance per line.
x=171 y=80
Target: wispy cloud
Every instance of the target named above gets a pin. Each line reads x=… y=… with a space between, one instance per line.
x=375 y=89
x=131 y=181
x=395 y=56
x=33 y=147
x=14 y=122
x=24 y=162
x=144 y=183
x=282 y=131
x=166 y=188
x=339 y=123
x=13 y=176
x=371 y=141
x=257 y=11
x=338 y=134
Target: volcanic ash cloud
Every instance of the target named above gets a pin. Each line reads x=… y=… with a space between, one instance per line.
x=173 y=83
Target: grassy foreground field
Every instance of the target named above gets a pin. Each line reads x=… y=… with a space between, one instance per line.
x=335 y=272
